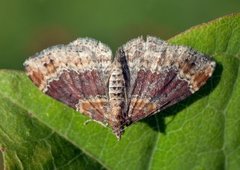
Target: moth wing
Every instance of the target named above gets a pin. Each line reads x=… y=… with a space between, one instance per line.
x=162 y=75
x=75 y=74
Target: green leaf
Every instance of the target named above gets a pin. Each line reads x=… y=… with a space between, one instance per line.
x=201 y=132
x=28 y=144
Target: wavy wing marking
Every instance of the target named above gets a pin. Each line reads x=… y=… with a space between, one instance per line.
x=75 y=74
x=162 y=75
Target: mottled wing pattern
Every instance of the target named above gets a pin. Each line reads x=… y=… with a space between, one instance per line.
x=162 y=75
x=76 y=74
x=145 y=77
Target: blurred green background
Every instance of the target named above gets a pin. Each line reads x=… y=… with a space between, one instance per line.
x=28 y=26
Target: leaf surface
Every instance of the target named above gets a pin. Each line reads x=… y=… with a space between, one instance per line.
x=202 y=132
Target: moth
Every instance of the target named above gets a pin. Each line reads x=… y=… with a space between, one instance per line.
x=145 y=77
